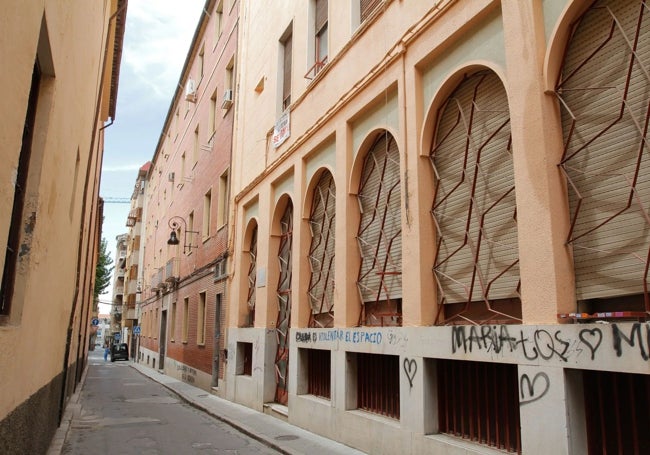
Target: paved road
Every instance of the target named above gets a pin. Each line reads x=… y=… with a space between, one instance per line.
x=124 y=412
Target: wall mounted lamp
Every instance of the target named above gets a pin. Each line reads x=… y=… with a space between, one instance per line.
x=175 y=224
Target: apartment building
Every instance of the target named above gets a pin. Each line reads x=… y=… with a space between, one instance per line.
x=118 y=306
x=441 y=228
x=59 y=79
x=134 y=256
x=186 y=234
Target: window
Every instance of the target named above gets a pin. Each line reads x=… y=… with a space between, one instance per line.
x=616 y=410
x=155 y=325
x=172 y=327
x=195 y=148
x=186 y=319
x=366 y=7
x=321 y=252
x=218 y=19
x=20 y=187
x=283 y=322
x=207 y=210
x=378 y=392
x=476 y=263
x=319 y=371
x=603 y=92
x=222 y=208
x=190 y=232
x=244 y=359
x=213 y=114
x=200 y=322
x=200 y=63
x=252 y=277
x=285 y=77
x=321 y=34
x=479 y=401
x=380 y=235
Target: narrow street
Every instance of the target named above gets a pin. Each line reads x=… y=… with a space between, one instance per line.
x=125 y=412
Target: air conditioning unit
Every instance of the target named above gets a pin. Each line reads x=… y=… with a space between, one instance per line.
x=171 y=176
x=190 y=91
x=227 y=99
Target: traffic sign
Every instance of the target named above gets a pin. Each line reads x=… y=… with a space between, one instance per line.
x=136 y=330
x=95 y=321
x=117 y=336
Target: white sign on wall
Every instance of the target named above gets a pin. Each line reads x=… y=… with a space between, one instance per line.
x=282 y=129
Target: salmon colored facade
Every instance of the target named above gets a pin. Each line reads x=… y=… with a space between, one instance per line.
x=59 y=80
x=439 y=237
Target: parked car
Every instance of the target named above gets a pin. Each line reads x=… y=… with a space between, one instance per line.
x=119 y=351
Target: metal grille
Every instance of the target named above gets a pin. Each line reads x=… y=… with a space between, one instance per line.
x=252 y=278
x=380 y=235
x=319 y=371
x=616 y=409
x=604 y=96
x=378 y=384
x=283 y=322
x=479 y=401
x=476 y=265
x=321 y=253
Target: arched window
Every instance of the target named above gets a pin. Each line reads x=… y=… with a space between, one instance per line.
x=252 y=277
x=476 y=264
x=604 y=93
x=321 y=252
x=380 y=235
x=283 y=322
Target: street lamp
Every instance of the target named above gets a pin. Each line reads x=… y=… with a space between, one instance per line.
x=175 y=224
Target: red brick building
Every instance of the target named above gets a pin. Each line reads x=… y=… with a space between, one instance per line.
x=186 y=211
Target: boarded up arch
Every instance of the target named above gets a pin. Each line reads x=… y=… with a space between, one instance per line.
x=476 y=265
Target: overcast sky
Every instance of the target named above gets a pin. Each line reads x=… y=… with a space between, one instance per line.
x=157 y=38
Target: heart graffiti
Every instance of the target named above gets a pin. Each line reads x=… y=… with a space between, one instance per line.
x=592 y=339
x=532 y=390
x=410 y=368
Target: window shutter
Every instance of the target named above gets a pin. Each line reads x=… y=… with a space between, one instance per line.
x=380 y=230
x=605 y=109
x=321 y=252
x=321 y=14
x=367 y=7
x=252 y=273
x=474 y=208
x=286 y=83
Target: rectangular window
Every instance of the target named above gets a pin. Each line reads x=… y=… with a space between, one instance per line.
x=172 y=325
x=207 y=210
x=479 y=401
x=378 y=384
x=200 y=322
x=366 y=7
x=213 y=114
x=186 y=317
x=244 y=359
x=190 y=232
x=201 y=63
x=22 y=178
x=222 y=208
x=286 y=43
x=321 y=34
x=319 y=372
x=156 y=328
x=616 y=410
x=218 y=18
x=195 y=148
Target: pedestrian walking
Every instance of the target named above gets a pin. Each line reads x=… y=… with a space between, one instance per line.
x=107 y=349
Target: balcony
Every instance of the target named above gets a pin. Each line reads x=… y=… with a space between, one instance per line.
x=172 y=270
x=156 y=279
x=132 y=287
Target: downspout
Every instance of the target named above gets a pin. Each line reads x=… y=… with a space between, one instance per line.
x=75 y=299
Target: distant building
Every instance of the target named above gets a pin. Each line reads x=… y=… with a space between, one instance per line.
x=118 y=307
x=59 y=79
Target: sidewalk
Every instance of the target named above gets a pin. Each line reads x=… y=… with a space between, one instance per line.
x=275 y=433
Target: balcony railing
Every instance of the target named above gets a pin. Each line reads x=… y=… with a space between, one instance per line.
x=172 y=270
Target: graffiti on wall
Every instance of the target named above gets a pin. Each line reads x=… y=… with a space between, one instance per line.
x=410 y=368
x=547 y=344
x=187 y=374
